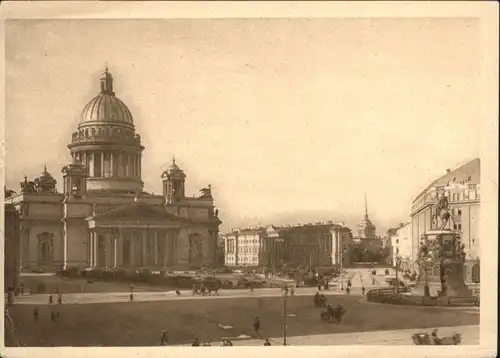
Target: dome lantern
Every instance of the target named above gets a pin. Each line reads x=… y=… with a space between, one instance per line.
x=107 y=82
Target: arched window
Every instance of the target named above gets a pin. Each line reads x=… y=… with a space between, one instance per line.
x=45 y=251
x=475 y=273
x=45 y=248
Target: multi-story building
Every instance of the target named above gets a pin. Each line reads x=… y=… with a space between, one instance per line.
x=104 y=218
x=400 y=245
x=243 y=247
x=11 y=247
x=311 y=245
x=461 y=188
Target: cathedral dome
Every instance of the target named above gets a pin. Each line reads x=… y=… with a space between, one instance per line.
x=106 y=107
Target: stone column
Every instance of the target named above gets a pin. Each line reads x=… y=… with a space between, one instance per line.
x=166 y=248
x=174 y=247
x=111 y=164
x=115 y=245
x=94 y=240
x=131 y=164
x=102 y=164
x=155 y=247
x=120 y=163
x=126 y=168
x=144 y=238
x=107 y=247
x=119 y=248
x=91 y=165
x=139 y=165
x=91 y=250
x=131 y=237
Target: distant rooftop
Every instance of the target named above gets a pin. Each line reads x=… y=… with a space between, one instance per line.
x=469 y=173
x=255 y=229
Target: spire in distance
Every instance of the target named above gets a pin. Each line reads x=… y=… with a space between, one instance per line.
x=366 y=207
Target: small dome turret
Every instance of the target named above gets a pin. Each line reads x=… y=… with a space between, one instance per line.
x=173 y=171
x=45 y=183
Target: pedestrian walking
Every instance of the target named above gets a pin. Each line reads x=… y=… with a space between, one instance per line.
x=348 y=290
x=256 y=325
x=35 y=314
x=163 y=339
x=363 y=290
x=131 y=297
x=50 y=299
x=59 y=299
x=22 y=289
x=267 y=343
x=292 y=291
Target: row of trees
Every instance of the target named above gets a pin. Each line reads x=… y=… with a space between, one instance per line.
x=360 y=254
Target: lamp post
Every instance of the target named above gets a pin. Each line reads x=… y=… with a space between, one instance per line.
x=341 y=256
x=284 y=316
x=397 y=278
x=310 y=264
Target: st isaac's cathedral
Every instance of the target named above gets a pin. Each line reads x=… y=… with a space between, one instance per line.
x=104 y=218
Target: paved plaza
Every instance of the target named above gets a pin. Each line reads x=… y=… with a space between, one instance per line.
x=87 y=298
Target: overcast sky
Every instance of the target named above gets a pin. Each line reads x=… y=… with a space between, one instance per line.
x=287 y=119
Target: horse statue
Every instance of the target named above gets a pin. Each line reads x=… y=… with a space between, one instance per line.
x=442 y=210
x=206 y=193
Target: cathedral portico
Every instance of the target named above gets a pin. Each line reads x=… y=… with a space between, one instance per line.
x=134 y=235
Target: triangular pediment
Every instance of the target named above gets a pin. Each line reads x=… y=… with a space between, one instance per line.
x=137 y=212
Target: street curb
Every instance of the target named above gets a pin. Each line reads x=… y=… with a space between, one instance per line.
x=457 y=308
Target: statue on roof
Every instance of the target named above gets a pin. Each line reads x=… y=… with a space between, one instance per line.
x=27 y=186
x=206 y=193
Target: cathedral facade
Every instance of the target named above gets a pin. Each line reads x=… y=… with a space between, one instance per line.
x=104 y=218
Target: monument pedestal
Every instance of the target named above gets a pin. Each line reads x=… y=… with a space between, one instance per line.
x=454 y=283
x=448 y=250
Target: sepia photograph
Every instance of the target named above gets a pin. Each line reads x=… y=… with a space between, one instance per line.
x=246 y=181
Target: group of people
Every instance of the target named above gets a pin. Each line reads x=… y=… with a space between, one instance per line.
x=59 y=299
x=224 y=343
